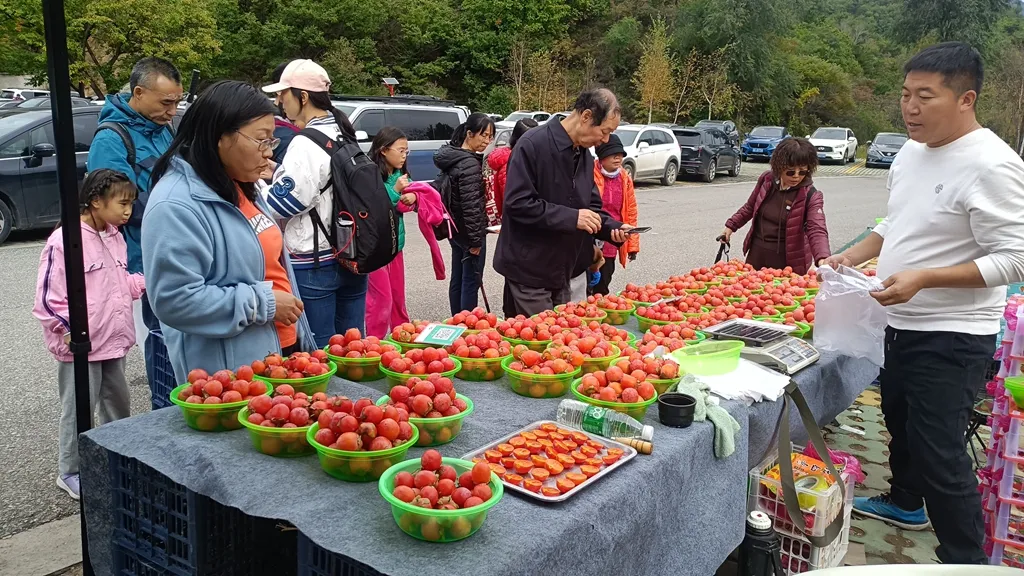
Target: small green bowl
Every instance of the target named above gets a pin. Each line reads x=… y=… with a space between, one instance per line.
x=636 y=303
x=280 y=442
x=644 y=324
x=811 y=291
x=708 y=358
x=617 y=317
x=736 y=299
x=776 y=316
x=210 y=417
x=437 y=525
x=403 y=346
x=697 y=291
x=394 y=378
x=800 y=330
x=783 y=309
x=662 y=386
x=358 y=369
x=480 y=369
x=636 y=409
x=1015 y=386
x=700 y=338
x=537 y=385
x=310 y=385
x=359 y=466
x=535 y=345
x=587 y=319
x=437 y=431
x=595 y=364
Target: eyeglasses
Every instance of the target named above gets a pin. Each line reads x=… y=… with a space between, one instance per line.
x=792 y=173
x=266 y=144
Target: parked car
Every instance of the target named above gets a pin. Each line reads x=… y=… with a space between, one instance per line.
x=501 y=138
x=761 y=142
x=705 y=152
x=651 y=152
x=559 y=116
x=510 y=120
x=882 y=150
x=496 y=117
x=23 y=93
x=727 y=126
x=41 y=102
x=835 y=144
x=428 y=122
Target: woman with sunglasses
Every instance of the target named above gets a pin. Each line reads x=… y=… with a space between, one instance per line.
x=301 y=197
x=786 y=211
x=218 y=277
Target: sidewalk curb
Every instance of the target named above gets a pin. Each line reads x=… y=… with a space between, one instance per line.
x=47 y=549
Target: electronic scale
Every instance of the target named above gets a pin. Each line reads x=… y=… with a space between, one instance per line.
x=767 y=344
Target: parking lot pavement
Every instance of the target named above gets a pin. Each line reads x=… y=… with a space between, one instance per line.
x=751 y=170
x=684 y=228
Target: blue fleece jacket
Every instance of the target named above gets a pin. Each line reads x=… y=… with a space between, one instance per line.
x=108 y=151
x=205 y=277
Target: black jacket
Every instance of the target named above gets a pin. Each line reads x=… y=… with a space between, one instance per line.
x=539 y=244
x=466 y=204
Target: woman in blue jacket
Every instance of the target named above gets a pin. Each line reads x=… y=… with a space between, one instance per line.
x=217 y=274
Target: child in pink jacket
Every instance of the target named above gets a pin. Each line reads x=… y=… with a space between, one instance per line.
x=106 y=202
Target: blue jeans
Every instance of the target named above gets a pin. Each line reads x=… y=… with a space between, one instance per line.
x=334 y=299
x=467 y=274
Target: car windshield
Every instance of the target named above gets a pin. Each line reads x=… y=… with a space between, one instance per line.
x=13 y=124
x=687 y=137
x=627 y=136
x=890 y=139
x=767 y=132
x=711 y=123
x=8 y=93
x=516 y=116
x=829 y=134
x=348 y=110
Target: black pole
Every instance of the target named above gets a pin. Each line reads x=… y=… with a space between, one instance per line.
x=67 y=180
x=193 y=86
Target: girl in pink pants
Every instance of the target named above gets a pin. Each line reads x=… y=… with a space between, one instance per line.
x=385 y=296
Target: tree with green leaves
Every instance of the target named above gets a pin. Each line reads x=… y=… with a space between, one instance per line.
x=653 y=77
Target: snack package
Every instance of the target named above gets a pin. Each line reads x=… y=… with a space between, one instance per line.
x=804 y=466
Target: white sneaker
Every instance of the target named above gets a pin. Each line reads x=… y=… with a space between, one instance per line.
x=70 y=484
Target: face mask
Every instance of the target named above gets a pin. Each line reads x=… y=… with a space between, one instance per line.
x=611 y=174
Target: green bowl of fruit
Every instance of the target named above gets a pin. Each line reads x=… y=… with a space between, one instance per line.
x=644 y=324
x=365 y=369
x=480 y=369
x=211 y=411
x=602 y=363
x=440 y=430
x=426 y=515
x=535 y=345
x=276 y=441
x=635 y=409
x=402 y=346
x=662 y=385
x=396 y=378
x=358 y=465
x=309 y=384
x=783 y=308
x=537 y=385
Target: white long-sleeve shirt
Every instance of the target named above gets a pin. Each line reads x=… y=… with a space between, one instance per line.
x=962 y=202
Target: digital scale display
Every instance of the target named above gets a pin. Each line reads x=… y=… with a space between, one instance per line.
x=767 y=344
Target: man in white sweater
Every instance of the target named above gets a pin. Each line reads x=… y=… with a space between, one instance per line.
x=953 y=237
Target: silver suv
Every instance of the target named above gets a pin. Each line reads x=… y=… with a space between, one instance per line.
x=428 y=122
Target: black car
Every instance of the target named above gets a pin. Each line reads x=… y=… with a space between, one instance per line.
x=705 y=152
x=882 y=150
x=727 y=126
x=36 y=103
x=29 y=195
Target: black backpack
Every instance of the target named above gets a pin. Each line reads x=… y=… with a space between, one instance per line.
x=443 y=185
x=364 y=227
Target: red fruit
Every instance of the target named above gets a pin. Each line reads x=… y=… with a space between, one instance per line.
x=400 y=394
x=244 y=373
x=325 y=437
x=403 y=493
x=368 y=431
x=482 y=491
x=460 y=404
x=380 y=443
x=240 y=386
x=447 y=364
x=372 y=414
x=430 y=493
x=213 y=388
x=197 y=374
x=448 y=473
x=431 y=460
x=451 y=411
x=325 y=417
x=466 y=479
x=404 y=479
x=357 y=408
x=443 y=385
x=284 y=390
x=255 y=418
x=349 y=441
x=445 y=487
x=481 y=473
x=279 y=414
x=351 y=335
x=193 y=399
x=460 y=495
x=472 y=501
x=257 y=388
x=423 y=387
x=286 y=400
x=404 y=430
x=260 y=404
x=223 y=376
x=424 y=478
x=299 y=417
x=231 y=396
x=423 y=503
x=421 y=405
x=442 y=402
x=388 y=428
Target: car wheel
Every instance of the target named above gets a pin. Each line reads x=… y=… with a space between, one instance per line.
x=6 y=221
x=712 y=168
x=735 y=170
x=630 y=171
x=671 y=172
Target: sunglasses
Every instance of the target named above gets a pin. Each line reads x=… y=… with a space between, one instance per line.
x=792 y=173
x=267 y=144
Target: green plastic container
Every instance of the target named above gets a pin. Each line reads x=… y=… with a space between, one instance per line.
x=280 y=442
x=599 y=318
x=535 y=345
x=810 y=330
x=635 y=409
x=437 y=525
x=595 y=364
x=811 y=291
x=708 y=358
x=359 y=466
x=800 y=330
x=644 y=324
x=804 y=298
x=403 y=346
x=1015 y=386
x=394 y=378
x=700 y=338
x=358 y=369
x=480 y=369
x=768 y=317
x=437 y=431
x=785 y=309
x=698 y=291
x=210 y=417
x=310 y=385
x=636 y=303
x=617 y=317
x=537 y=385
x=662 y=386
x=736 y=299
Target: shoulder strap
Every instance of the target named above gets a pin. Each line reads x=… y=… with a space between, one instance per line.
x=330 y=147
x=322 y=140
x=126 y=138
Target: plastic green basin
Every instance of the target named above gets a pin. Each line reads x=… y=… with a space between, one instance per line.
x=708 y=358
x=437 y=431
x=537 y=385
x=310 y=385
x=280 y=442
x=210 y=417
x=359 y=466
x=635 y=409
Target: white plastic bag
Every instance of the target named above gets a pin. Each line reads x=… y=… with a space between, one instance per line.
x=847 y=319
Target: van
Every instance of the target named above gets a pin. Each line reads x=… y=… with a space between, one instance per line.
x=22 y=93
x=428 y=122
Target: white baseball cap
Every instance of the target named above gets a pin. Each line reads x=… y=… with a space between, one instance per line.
x=304 y=75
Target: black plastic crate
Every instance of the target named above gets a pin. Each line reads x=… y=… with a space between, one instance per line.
x=163 y=380
x=162 y=525
x=127 y=563
x=315 y=561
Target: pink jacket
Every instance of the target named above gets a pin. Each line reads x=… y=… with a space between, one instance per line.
x=109 y=291
x=430 y=212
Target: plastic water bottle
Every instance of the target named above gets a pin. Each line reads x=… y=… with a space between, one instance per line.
x=601 y=421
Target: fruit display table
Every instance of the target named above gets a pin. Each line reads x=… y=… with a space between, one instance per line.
x=677 y=511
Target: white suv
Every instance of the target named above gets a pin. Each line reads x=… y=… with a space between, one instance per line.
x=651 y=152
x=510 y=120
x=835 y=144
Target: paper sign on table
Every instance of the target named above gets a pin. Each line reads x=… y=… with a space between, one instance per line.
x=439 y=334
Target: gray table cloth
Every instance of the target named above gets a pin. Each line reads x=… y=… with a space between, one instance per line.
x=677 y=511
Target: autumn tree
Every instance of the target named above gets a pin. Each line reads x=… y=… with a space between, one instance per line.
x=686 y=80
x=711 y=82
x=653 y=77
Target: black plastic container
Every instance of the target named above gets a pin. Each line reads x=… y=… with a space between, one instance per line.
x=676 y=409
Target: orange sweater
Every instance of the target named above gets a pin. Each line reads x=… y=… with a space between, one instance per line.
x=629 y=213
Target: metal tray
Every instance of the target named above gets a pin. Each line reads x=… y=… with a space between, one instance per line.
x=628 y=453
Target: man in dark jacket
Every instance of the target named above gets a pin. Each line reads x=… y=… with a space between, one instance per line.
x=552 y=208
